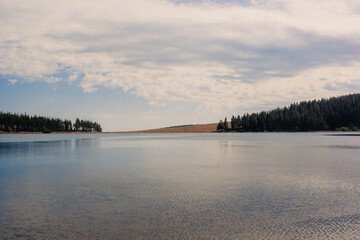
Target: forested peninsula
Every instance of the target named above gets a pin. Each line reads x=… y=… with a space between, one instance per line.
x=333 y=114
x=12 y=122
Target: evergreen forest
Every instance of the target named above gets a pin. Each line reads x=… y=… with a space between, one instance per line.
x=12 y=122
x=336 y=113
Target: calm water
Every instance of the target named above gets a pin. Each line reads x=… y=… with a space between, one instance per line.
x=180 y=186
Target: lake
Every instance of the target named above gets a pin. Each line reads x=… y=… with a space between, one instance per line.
x=180 y=186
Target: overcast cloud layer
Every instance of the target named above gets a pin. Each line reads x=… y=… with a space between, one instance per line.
x=235 y=55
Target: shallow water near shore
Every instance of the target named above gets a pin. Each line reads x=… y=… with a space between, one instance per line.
x=180 y=186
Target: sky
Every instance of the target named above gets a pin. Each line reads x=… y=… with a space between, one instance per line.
x=141 y=64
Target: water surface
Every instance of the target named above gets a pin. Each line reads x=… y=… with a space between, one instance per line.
x=180 y=186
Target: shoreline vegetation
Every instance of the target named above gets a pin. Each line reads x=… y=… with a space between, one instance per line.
x=334 y=114
x=23 y=123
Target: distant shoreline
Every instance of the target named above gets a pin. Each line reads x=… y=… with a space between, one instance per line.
x=45 y=133
x=200 y=128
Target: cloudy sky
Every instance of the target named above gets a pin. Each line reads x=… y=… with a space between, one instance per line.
x=139 y=64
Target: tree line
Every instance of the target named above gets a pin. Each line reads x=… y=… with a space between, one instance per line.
x=12 y=122
x=336 y=113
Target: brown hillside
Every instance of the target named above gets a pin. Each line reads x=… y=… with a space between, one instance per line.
x=201 y=128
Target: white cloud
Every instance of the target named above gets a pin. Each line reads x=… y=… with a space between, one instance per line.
x=52 y=79
x=12 y=81
x=73 y=77
x=219 y=56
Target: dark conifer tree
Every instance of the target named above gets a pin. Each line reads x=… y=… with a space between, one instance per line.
x=226 y=127
x=11 y=122
x=325 y=114
x=220 y=127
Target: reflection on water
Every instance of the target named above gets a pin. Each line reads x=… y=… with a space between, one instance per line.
x=180 y=186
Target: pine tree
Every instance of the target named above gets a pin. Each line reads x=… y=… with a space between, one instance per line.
x=326 y=114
